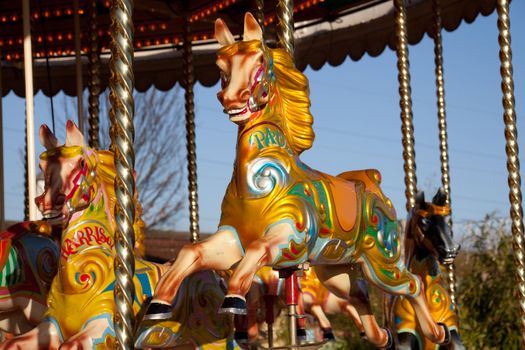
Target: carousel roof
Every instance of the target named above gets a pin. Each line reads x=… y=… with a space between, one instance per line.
x=326 y=31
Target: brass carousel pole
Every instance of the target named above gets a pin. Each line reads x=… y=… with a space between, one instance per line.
x=285 y=25
x=512 y=150
x=188 y=82
x=94 y=80
x=442 y=126
x=407 y=128
x=122 y=111
x=285 y=30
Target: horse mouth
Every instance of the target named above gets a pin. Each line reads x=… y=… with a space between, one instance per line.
x=53 y=216
x=237 y=114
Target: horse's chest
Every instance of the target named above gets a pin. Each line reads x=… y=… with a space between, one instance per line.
x=85 y=236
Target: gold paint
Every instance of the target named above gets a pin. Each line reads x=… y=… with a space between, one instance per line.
x=63 y=151
x=333 y=252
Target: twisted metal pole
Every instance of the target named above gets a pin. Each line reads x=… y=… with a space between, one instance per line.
x=189 y=80
x=122 y=109
x=442 y=126
x=94 y=79
x=285 y=25
x=407 y=128
x=259 y=13
x=512 y=150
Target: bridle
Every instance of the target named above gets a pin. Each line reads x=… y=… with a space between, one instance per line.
x=83 y=184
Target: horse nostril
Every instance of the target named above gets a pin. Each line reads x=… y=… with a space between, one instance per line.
x=245 y=95
x=220 y=97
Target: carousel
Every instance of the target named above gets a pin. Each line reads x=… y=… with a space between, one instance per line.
x=77 y=278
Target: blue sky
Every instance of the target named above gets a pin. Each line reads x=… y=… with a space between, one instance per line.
x=357 y=124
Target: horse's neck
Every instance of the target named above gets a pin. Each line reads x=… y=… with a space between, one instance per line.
x=416 y=255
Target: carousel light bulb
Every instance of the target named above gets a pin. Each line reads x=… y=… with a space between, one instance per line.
x=20 y=41
x=157 y=42
x=163 y=26
x=68 y=11
x=69 y=36
x=46 y=14
x=141 y=28
x=10 y=42
x=80 y=11
x=4 y=18
x=166 y=41
x=14 y=18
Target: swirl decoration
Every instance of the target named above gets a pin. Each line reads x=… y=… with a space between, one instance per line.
x=122 y=110
x=442 y=126
x=512 y=150
x=407 y=128
x=189 y=80
x=94 y=79
x=285 y=25
x=46 y=266
x=264 y=174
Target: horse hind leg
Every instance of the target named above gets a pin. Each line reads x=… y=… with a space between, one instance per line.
x=413 y=289
x=337 y=280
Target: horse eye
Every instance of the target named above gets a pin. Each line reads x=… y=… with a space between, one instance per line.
x=425 y=223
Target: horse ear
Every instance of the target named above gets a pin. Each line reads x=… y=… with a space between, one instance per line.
x=47 y=139
x=222 y=33
x=420 y=199
x=252 y=29
x=73 y=135
x=440 y=198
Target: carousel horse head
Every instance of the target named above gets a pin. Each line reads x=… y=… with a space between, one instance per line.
x=431 y=229
x=258 y=83
x=68 y=175
x=74 y=176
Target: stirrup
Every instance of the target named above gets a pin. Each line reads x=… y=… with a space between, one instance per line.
x=158 y=311
x=233 y=304
x=448 y=337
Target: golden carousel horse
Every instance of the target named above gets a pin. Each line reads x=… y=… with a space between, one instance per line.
x=80 y=197
x=279 y=212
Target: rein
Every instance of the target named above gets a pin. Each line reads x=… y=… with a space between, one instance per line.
x=82 y=187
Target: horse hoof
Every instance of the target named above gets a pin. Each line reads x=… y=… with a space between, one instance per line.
x=233 y=305
x=301 y=334
x=363 y=336
x=158 y=311
x=445 y=341
x=241 y=336
x=328 y=335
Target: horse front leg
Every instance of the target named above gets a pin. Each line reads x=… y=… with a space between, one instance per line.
x=219 y=252
x=45 y=336
x=259 y=253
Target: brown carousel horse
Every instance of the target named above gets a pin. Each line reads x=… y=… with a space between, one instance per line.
x=428 y=245
x=279 y=212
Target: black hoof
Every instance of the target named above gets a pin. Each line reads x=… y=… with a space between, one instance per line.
x=158 y=311
x=301 y=333
x=328 y=335
x=233 y=305
x=363 y=336
x=241 y=336
x=445 y=341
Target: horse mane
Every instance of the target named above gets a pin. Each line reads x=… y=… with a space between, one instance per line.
x=107 y=172
x=293 y=89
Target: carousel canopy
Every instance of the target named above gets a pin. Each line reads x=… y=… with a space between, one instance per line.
x=326 y=31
